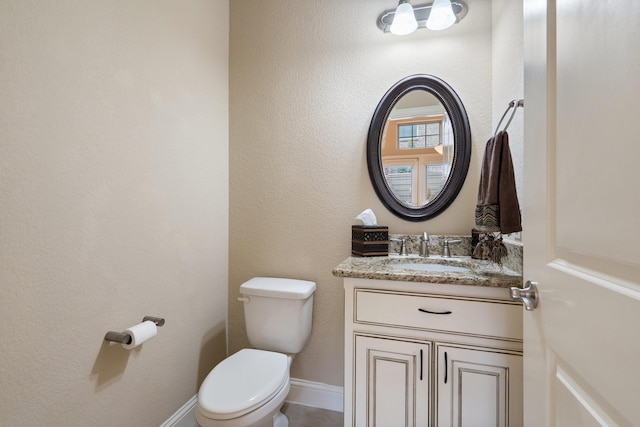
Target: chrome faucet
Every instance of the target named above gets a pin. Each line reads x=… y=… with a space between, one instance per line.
x=424 y=245
x=446 y=253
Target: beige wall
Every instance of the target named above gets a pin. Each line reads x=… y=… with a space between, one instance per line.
x=508 y=77
x=113 y=205
x=305 y=79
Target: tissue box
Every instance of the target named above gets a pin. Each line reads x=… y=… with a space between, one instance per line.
x=369 y=240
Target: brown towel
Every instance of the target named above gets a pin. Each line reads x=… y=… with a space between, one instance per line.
x=498 y=208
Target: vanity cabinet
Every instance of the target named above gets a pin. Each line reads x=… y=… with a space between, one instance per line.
x=424 y=354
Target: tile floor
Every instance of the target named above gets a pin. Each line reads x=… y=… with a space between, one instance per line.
x=305 y=416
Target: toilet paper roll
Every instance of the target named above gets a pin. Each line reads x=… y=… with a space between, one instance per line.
x=140 y=333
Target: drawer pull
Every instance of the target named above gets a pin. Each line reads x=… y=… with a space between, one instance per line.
x=434 y=312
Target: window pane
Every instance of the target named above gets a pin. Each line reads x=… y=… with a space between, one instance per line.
x=419 y=142
x=405 y=142
x=405 y=131
x=433 y=129
x=433 y=140
x=420 y=130
x=399 y=179
x=435 y=180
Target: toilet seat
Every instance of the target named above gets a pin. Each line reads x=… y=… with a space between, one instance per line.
x=242 y=382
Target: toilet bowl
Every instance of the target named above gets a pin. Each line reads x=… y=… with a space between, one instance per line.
x=244 y=389
x=248 y=388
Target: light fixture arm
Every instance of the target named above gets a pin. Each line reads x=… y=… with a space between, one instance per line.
x=422 y=14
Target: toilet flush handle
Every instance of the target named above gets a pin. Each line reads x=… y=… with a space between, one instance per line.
x=243 y=299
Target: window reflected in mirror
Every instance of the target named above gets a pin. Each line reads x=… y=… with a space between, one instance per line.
x=417 y=148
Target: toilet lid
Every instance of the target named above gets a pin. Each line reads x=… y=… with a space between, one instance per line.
x=242 y=382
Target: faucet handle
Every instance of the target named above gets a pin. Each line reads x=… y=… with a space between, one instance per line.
x=445 y=248
x=403 y=246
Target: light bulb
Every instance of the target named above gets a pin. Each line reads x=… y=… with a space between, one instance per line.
x=404 y=20
x=441 y=15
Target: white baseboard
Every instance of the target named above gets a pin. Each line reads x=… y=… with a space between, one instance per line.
x=317 y=395
x=307 y=393
x=185 y=416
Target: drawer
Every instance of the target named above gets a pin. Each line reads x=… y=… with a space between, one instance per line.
x=467 y=316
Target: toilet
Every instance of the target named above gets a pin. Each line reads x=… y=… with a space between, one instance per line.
x=249 y=387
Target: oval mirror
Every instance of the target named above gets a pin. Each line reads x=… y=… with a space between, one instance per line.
x=419 y=147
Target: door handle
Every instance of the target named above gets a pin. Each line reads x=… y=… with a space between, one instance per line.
x=528 y=295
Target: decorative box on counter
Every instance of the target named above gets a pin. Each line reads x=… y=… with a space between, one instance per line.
x=370 y=240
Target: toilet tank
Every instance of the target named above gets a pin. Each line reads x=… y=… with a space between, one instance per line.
x=277 y=313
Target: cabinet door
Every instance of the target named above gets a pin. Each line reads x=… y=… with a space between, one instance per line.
x=478 y=387
x=392 y=382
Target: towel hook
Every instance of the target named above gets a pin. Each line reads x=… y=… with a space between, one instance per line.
x=513 y=104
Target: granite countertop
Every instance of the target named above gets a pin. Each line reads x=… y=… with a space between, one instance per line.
x=480 y=273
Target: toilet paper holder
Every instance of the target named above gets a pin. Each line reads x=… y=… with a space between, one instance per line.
x=124 y=338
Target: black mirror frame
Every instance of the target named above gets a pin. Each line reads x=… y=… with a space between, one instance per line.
x=462 y=146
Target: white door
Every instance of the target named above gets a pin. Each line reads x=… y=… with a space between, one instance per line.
x=582 y=212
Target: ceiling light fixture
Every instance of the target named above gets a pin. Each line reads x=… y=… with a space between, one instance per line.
x=438 y=15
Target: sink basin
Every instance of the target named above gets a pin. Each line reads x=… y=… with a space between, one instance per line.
x=432 y=267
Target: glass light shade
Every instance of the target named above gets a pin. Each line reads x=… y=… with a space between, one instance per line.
x=441 y=15
x=404 y=20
